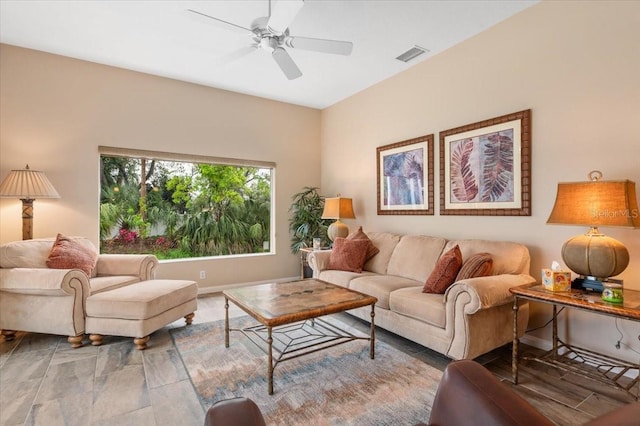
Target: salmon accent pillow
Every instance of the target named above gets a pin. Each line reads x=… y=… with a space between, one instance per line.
x=68 y=253
x=360 y=235
x=348 y=255
x=478 y=265
x=445 y=272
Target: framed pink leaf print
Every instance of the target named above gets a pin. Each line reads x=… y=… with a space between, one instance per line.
x=485 y=167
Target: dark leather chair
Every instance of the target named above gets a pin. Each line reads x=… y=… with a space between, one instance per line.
x=469 y=394
x=234 y=412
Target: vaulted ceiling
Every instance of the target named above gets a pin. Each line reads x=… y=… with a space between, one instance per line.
x=163 y=38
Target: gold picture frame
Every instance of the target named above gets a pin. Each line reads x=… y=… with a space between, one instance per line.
x=405 y=177
x=485 y=167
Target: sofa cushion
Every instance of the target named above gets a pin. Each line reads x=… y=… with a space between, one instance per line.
x=25 y=254
x=141 y=300
x=348 y=255
x=372 y=250
x=385 y=242
x=508 y=257
x=412 y=302
x=380 y=286
x=68 y=253
x=31 y=253
x=478 y=265
x=445 y=272
x=415 y=256
x=341 y=278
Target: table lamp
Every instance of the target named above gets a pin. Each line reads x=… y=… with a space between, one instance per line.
x=338 y=208
x=594 y=256
x=27 y=185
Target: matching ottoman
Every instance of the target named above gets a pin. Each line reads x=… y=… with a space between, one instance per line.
x=139 y=309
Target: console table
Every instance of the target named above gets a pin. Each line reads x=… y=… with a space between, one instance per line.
x=608 y=370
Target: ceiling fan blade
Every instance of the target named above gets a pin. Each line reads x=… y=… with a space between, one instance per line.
x=282 y=14
x=203 y=17
x=236 y=54
x=286 y=64
x=321 y=45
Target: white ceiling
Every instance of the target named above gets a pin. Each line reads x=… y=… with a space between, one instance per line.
x=162 y=38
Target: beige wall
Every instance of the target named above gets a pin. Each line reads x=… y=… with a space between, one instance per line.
x=56 y=111
x=575 y=64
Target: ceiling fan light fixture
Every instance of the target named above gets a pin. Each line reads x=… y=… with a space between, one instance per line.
x=412 y=53
x=268 y=43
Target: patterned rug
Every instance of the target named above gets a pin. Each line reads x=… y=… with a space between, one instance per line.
x=337 y=386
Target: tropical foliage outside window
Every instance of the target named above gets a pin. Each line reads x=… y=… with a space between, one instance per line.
x=177 y=209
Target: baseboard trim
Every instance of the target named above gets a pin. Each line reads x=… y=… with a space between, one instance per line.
x=537 y=342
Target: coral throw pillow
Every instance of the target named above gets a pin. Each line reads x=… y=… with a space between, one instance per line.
x=478 y=265
x=360 y=235
x=445 y=272
x=67 y=253
x=348 y=255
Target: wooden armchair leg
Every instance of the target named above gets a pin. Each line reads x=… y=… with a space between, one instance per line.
x=75 y=341
x=189 y=318
x=141 y=342
x=8 y=335
x=96 y=339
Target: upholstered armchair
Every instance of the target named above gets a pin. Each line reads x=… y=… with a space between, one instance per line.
x=36 y=298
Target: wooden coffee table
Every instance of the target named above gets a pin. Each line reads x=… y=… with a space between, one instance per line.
x=291 y=312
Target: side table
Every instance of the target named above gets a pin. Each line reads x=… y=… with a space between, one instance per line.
x=608 y=370
x=305 y=269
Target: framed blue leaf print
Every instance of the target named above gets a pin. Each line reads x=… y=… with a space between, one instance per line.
x=405 y=177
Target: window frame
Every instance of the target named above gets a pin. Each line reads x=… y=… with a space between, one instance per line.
x=108 y=151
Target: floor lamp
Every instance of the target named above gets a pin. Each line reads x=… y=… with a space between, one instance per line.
x=27 y=185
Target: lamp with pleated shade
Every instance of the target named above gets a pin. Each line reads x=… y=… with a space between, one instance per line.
x=27 y=185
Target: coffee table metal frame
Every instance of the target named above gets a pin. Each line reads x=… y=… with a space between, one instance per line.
x=300 y=333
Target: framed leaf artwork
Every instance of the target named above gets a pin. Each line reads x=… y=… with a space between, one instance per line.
x=485 y=167
x=405 y=177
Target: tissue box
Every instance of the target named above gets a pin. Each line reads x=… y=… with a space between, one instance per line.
x=556 y=280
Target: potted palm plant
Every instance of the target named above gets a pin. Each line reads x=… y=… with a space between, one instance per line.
x=306 y=221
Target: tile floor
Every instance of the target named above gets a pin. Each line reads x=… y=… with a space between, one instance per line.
x=45 y=382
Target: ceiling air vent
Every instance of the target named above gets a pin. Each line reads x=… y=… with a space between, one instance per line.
x=412 y=53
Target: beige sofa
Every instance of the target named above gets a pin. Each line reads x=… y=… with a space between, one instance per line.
x=471 y=318
x=38 y=299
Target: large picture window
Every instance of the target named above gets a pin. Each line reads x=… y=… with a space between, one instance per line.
x=182 y=206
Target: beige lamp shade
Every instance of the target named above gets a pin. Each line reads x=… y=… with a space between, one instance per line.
x=597 y=203
x=338 y=208
x=593 y=204
x=27 y=185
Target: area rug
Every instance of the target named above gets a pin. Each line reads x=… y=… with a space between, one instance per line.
x=337 y=386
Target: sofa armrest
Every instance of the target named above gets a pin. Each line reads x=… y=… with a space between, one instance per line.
x=318 y=261
x=486 y=292
x=41 y=281
x=141 y=265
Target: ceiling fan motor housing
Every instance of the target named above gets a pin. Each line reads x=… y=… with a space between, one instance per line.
x=266 y=38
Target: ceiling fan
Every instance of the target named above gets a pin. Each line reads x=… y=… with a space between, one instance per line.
x=271 y=33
